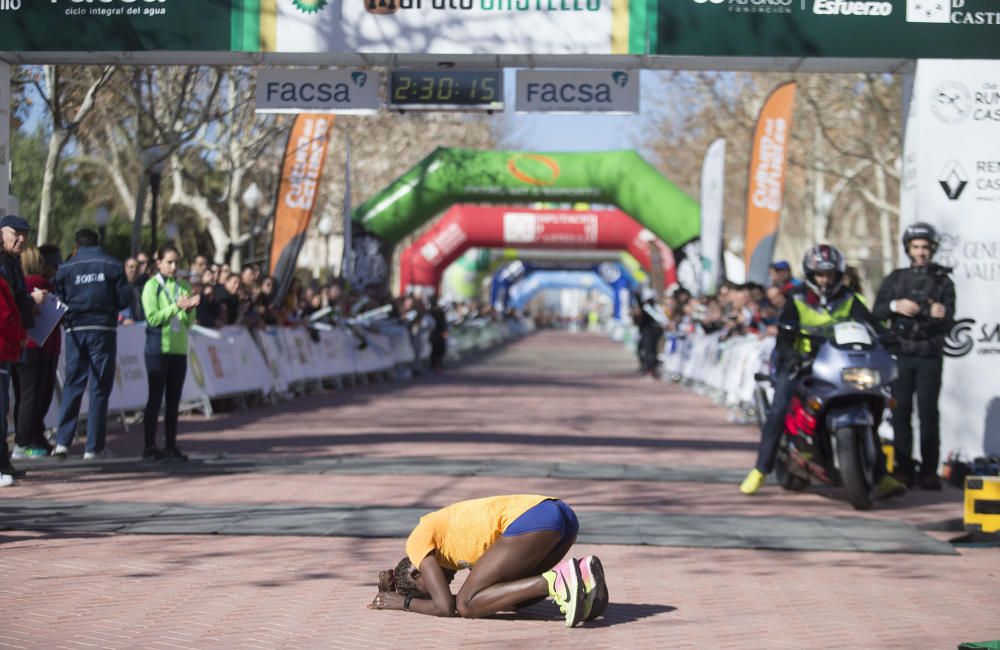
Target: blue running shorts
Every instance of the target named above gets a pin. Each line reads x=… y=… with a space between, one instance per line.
x=551 y=514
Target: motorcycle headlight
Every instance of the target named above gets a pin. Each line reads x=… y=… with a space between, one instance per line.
x=861 y=378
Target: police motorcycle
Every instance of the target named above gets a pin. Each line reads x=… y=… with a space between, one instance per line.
x=831 y=428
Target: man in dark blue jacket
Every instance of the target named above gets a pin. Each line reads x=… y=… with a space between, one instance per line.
x=94 y=288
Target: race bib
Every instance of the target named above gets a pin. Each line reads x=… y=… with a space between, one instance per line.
x=850 y=333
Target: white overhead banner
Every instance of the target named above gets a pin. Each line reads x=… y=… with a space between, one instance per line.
x=283 y=90
x=5 y=106
x=713 y=172
x=951 y=179
x=446 y=26
x=577 y=91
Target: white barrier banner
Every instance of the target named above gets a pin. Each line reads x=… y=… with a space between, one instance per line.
x=131 y=388
x=227 y=362
x=952 y=181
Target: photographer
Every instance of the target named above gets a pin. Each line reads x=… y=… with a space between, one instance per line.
x=919 y=303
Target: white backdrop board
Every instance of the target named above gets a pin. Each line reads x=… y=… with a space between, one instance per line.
x=951 y=179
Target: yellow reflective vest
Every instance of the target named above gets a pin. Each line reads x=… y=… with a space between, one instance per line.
x=812 y=317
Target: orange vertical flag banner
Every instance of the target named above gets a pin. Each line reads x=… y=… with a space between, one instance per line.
x=766 y=183
x=301 y=173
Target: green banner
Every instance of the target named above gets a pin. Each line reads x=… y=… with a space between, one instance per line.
x=896 y=29
x=121 y=25
x=450 y=176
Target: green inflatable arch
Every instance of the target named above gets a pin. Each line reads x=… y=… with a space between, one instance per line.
x=450 y=176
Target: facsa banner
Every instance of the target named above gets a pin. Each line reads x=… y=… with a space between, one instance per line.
x=951 y=179
x=577 y=91
x=353 y=92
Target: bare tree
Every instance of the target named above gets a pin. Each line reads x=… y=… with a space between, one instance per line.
x=70 y=96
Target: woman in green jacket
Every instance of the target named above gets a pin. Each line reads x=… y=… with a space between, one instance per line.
x=169 y=306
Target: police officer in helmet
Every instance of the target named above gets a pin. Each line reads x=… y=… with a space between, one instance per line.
x=919 y=304
x=822 y=300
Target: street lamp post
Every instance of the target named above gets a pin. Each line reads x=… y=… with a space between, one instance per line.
x=102 y=217
x=155 y=174
x=251 y=201
x=153 y=161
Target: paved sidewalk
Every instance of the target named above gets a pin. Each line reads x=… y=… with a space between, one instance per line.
x=643 y=463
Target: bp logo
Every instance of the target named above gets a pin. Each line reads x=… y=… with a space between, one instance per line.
x=951 y=102
x=309 y=6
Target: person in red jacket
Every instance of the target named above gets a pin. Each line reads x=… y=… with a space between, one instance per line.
x=12 y=338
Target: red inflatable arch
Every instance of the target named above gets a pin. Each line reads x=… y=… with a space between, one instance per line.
x=491 y=226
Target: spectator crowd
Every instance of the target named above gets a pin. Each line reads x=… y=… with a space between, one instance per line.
x=100 y=293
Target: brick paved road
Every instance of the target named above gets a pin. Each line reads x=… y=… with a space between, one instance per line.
x=545 y=400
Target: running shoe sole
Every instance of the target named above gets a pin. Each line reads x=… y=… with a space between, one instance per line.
x=599 y=600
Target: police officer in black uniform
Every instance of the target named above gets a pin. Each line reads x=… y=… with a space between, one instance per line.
x=94 y=288
x=919 y=303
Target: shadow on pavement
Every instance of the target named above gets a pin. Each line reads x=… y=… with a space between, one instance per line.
x=618 y=613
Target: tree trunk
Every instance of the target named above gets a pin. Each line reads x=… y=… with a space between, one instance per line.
x=233 y=205
x=885 y=227
x=56 y=143
x=140 y=208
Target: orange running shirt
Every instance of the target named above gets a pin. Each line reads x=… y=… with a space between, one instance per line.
x=459 y=534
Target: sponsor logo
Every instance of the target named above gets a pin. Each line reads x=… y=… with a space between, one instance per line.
x=388 y=7
x=309 y=6
x=953 y=180
x=445 y=242
x=753 y=6
x=955 y=12
x=770 y=169
x=951 y=102
x=533 y=169
x=987 y=181
x=928 y=11
x=966 y=336
x=10 y=5
x=113 y=7
x=851 y=8
x=88 y=278
x=569 y=92
x=359 y=79
x=972 y=259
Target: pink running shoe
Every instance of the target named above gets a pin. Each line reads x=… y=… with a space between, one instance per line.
x=596 y=589
x=566 y=589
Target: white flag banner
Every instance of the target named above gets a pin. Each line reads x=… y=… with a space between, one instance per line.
x=951 y=179
x=713 y=173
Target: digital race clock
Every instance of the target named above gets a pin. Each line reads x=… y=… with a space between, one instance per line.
x=446 y=90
